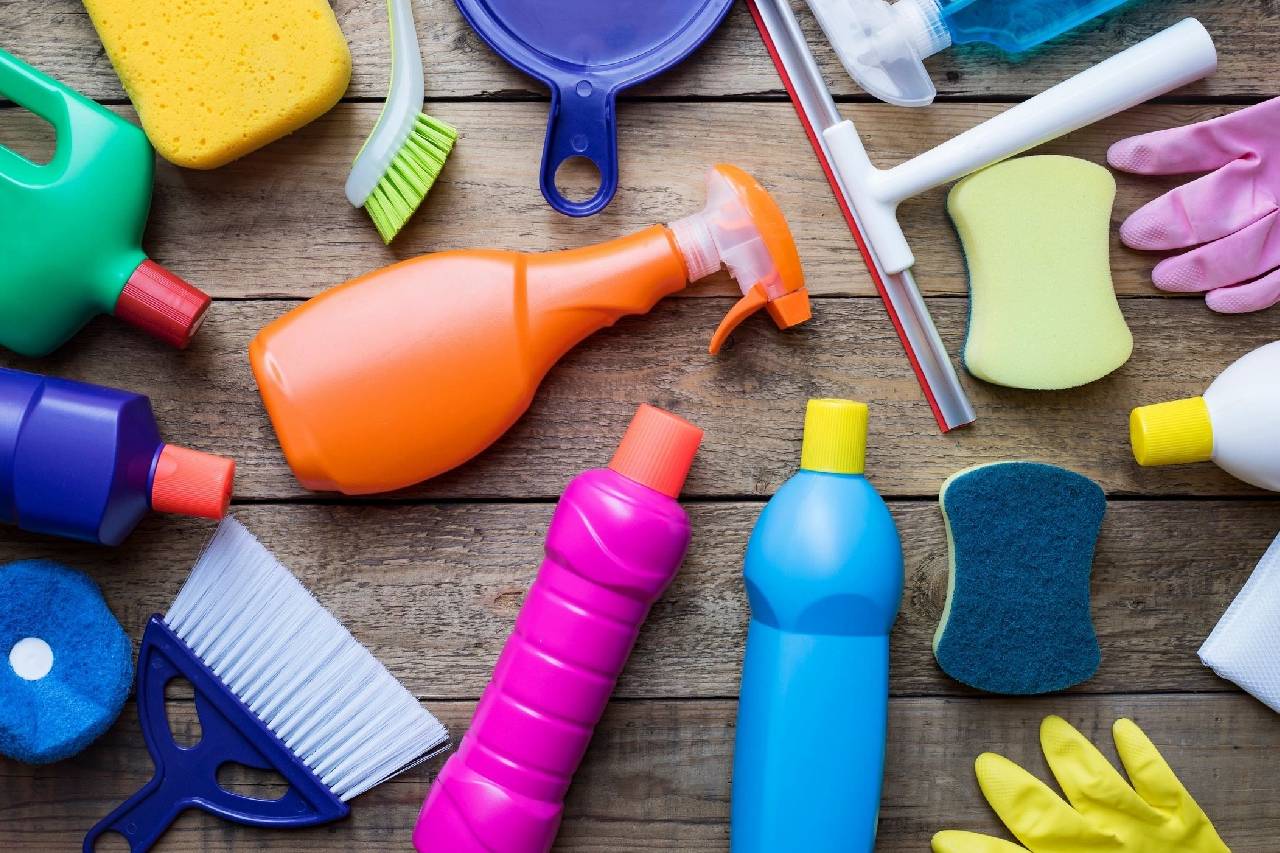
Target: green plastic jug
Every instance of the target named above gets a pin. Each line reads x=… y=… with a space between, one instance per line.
x=71 y=229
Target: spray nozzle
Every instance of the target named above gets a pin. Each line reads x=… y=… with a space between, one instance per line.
x=883 y=46
x=742 y=228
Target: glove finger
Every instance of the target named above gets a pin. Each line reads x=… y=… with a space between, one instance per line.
x=1206 y=209
x=1199 y=147
x=1248 y=297
x=1037 y=816
x=955 y=841
x=1091 y=784
x=1236 y=258
x=1150 y=774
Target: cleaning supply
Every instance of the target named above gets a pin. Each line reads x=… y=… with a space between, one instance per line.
x=869 y=196
x=1021 y=537
x=1242 y=646
x=586 y=52
x=906 y=308
x=403 y=156
x=73 y=227
x=1150 y=813
x=1229 y=216
x=1234 y=424
x=280 y=685
x=615 y=542
x=213 y=81
x=824 y=578
x=1043 y=313
x=406 y=372
x=883 y=45
x=66 y=665
x=87 y=462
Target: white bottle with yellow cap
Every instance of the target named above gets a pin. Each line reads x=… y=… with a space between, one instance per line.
x=1236 y=424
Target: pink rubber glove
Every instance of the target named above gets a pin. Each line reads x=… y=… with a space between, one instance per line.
x=1231 y=215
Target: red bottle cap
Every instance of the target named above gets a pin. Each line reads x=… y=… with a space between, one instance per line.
x=162 y=304
x=657 y=450
x=188 y=482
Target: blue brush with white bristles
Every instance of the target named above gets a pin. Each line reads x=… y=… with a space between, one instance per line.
x=280 y=685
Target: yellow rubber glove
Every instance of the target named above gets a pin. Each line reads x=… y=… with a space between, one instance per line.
x=1155 y=815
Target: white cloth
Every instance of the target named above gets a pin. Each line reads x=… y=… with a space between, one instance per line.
x=1244 y=647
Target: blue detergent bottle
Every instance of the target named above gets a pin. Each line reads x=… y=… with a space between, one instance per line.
x=824 y=578
x=883 y=45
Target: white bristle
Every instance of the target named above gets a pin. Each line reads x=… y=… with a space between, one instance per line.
x=298 y=668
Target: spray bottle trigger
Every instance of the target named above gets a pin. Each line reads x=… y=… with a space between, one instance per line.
x=751 y=302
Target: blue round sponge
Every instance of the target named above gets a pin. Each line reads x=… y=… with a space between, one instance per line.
x=66 y=665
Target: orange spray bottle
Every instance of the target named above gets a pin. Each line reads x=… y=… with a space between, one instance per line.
x=411 y=370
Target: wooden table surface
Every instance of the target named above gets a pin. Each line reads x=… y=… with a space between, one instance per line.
x=431 y=578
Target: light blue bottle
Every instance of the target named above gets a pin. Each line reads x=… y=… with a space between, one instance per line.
x=824 y=579
x=883 y=46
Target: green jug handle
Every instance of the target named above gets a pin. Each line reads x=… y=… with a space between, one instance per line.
x=42 y=95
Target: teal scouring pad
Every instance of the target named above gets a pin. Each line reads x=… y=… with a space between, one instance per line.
x=66 y=665
x=1021 y=536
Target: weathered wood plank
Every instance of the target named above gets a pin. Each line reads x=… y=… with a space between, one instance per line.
x=657 y=777
x=276 y=223
x=56 y=35
x=434 y=590
x=749 y=399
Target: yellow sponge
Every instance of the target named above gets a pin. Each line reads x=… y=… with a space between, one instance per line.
x=1043 y=313
x=213 y=80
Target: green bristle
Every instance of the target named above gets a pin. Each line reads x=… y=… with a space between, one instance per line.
x=410 y=176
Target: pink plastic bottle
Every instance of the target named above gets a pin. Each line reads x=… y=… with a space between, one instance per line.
x=614 y=544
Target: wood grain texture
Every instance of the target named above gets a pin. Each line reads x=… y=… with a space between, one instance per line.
x=749 y=399
x=434 y=590
x=657 y=777
x=57 y=36
x=275 y=223
x=432 y=578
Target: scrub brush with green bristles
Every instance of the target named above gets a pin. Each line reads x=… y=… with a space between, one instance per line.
x=401 y=159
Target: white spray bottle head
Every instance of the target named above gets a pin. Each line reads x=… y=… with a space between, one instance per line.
x=883 y=46
x=742 y=228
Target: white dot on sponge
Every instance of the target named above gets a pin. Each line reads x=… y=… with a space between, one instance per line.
x=31 y=658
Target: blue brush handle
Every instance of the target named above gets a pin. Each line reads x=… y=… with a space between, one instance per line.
x=809 y=756
x=582 y=123
x=187 y=777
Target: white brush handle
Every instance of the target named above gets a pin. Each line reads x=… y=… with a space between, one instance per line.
x=1172 y=58
x=399 y=113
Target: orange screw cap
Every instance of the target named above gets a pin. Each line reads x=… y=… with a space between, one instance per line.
x=657 y=450
x=188 y=482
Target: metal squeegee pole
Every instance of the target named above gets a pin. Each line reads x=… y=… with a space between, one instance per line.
x=906 y=307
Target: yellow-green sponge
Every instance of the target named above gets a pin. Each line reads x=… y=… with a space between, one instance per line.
x=1036 y=234
x=213 y=80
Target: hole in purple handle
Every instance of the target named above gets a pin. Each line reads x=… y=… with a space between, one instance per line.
x=577 y=179
x=180 y=712
x=236 y=778
x=111 y=842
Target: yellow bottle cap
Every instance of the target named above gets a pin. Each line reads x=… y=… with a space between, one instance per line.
x=1173 y=433
x=835 y=437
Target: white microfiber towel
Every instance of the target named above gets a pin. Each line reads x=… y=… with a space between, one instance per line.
x=1244 y=647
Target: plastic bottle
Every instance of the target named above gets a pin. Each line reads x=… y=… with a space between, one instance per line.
x=71 y=229
x=1236 y=424
x=824 y=579
x=883 y=46
x=406 y=372
x=614 y=544
x=87 y=462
